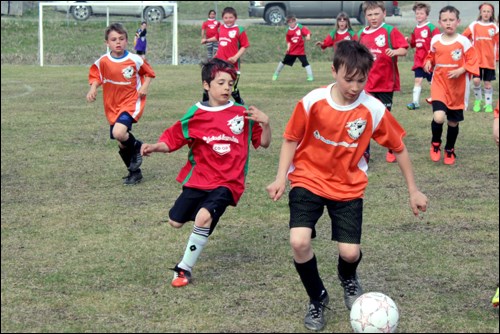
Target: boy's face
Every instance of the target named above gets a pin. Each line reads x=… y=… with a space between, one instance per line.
x=421 y=15
x=117 y=43
x=342 y=23
x=219 y=90
x=229 y=19
x=449 y=22
x=292 y=23
x=212 y=15
x=348 y=87
x=375 y=17
x=486 y=12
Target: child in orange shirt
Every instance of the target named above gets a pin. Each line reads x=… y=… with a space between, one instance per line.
x=322 y=156
x=125 y=79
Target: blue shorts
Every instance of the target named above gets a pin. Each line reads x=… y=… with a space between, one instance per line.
x=454 y=115
x=420 y=73
x=124 y=119
x=191 y=200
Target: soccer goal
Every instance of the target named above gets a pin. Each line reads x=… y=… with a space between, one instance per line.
x=141 y=6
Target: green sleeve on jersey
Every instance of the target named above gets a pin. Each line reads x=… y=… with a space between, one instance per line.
x=185 y=120
x=332 y=33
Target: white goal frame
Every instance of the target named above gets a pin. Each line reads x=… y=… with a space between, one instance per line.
x=108 y=4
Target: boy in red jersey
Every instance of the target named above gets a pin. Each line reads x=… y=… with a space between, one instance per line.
x=386 y=43
x=210 y=29
x=233 y=42
x=295 y=47
x=322 y=156
x=452 y=59
x=483 y=34
x=125 y=79
x=420 y=39
x=342 y=31
x=218 y=133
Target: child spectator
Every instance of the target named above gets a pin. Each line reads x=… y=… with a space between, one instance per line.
x=140 y=42
x=342 y=31
x=125 y=79
x=210 y=30
x=452 y=58
x=420 y=39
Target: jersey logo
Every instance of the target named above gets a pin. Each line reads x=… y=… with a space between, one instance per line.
x=424 y=33
x=491 y=32
x=356 y=128
x=128 y=72
x=222 y=149
x=236 y=124
x=456 y=55
x=380 y=41
x=232 y=33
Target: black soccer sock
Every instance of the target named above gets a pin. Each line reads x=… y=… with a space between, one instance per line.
x=437 y=132
x=309 y=276
x=451 y=137
x=130 y=142
x=347 y=269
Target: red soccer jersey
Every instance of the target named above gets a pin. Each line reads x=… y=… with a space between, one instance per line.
x=231 y=40
x=384 y=75
x=295 y=38
x=446 y=56
x=121 y=80
x=331 y=140
x=421 y=40
x=219 y=139
x=484 y=37
x=211 y=27
x=336 y=36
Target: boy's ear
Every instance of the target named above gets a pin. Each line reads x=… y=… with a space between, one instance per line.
x=206 y=85
x=334 y=72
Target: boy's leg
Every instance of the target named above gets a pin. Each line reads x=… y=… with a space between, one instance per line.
x=236 y=92
x=488 y=96
x=130 y=148
x=478 y=96
x=417 y=89
x=307 y=66
x=454 y=117
x=438 y=119
x=278 y=70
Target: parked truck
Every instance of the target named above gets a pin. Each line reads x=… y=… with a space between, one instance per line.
x=275 y=12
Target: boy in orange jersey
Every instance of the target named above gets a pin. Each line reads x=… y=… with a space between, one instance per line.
x=483 y=34
x=125 y=79
x=322 y=156
x=451 y=58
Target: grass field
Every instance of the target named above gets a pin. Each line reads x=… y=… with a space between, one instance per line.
x=83 y=253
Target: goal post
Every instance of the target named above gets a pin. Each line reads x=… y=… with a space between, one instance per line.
x=142 y=4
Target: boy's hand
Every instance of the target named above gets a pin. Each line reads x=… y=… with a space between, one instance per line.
x=256 y=115
x=276 y=190
x=92 y=94
x=456 y=73
x=418 y=202
x=427 y=67
x=146 y=149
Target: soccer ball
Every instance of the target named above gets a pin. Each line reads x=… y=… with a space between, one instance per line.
x=374 y=312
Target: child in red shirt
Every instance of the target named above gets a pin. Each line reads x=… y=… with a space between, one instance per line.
x=342 y=31
x=210 y=30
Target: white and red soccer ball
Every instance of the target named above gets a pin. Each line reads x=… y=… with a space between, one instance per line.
x=374 y=312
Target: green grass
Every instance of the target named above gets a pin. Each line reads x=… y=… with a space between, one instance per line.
x=83 y=253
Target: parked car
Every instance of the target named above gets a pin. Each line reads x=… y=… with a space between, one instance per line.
x=151 y=11
x=275 y=12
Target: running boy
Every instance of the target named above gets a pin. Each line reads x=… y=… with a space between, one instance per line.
x=420 y=39
x=295 y=47
x=322 y=156
x=342 y=31
x=218 y=133
x=452 y=58
x=125 y=79
x=483 y=34
x=386 y=43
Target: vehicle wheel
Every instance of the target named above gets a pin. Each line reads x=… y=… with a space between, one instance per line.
x=81 y=12
x=154 y=14
x=275 y=15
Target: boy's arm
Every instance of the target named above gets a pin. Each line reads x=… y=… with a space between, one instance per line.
x=92 y=94
x=401 y=52
x=418 y=201
x=143 y=91
x=277 y=188
x=258 y=116
x=147 y=149
x=234 y=59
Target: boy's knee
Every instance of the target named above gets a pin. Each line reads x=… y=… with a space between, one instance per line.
x=203 y=218
x=300 y=245
x=351 y=256
x=175 y=224
x=439 y=117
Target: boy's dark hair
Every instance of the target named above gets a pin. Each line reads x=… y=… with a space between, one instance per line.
x=291 y=18
x=210 y=68
x=422 y=5
x=211 y=11
x=492 y=18
x=373 y=5
x=450 y=9
x=118 y=27
x=229 y=10
x=355 y=56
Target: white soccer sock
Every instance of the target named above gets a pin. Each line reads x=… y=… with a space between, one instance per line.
x=488 y=96
x=477 y=92
x=416 y=94
x=279 y=68
x=309 y=71
x=197 y=241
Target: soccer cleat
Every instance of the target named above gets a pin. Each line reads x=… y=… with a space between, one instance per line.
x=352 y=289
x=429 y=100
x=435 y=152
x=136 y=157
x=494 y=300
x=477 y=106
x=390 y=157
x=488 y=108
x=449 y=157
x=181 y=277
x=133 y=178
x=310 y=78
x=275 y=77
x=413 y=106
x=315 y=319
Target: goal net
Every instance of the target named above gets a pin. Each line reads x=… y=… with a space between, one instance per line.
x=72 y=32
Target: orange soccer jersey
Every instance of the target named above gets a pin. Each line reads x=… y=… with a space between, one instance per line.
x=484 y=37
x=331 y=140
x=446 y=56
x=121 y=80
